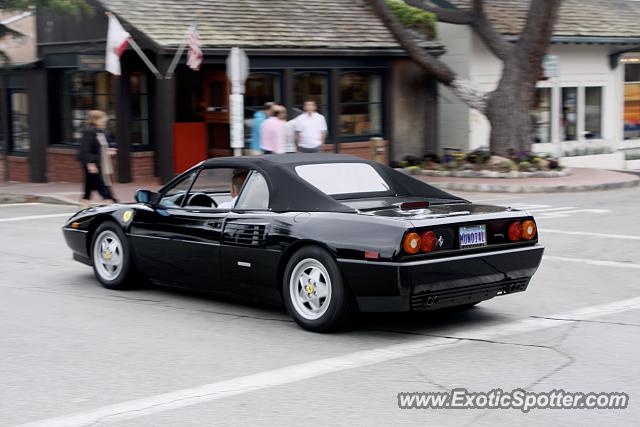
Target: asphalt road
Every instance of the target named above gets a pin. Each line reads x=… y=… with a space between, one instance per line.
x=74 y=353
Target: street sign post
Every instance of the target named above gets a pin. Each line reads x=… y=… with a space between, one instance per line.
x=237 y=72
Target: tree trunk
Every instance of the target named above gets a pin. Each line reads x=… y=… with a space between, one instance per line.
x=509 y=111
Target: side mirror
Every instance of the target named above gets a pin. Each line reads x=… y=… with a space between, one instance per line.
x=147 y=197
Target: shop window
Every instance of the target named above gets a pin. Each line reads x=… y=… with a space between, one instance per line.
x=20 y=140
x=569 y=116
x=312 y=86
x=593 y=112
x=632 y=101
x=541 y=115
x=139 y=109
x=259 y=89
x=360 y=104
x=81 y=92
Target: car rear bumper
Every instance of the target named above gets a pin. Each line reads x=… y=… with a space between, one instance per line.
x=437 y=283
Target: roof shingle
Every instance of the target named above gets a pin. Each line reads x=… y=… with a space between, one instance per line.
x=333 y=24
x=578 y=18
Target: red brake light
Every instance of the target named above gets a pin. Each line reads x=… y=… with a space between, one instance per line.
x=515 y=231
x=529 y=229
x=413 y=205
x=428 y=241
x=411 y=244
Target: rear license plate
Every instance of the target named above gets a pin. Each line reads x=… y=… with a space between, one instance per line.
x=473 y=236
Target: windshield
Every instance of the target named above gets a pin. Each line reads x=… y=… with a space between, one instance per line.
x=343 y=178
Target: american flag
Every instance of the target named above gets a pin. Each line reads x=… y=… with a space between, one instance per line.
x=194 y=56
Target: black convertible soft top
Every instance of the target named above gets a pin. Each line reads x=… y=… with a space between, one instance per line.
x=289 y=192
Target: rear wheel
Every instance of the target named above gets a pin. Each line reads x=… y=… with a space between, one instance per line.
x=111 y=255
x=315 y=293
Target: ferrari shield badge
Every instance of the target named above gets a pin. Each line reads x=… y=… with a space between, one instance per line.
x=127 y=215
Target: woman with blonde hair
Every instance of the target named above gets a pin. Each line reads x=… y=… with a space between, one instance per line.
x=95 y=156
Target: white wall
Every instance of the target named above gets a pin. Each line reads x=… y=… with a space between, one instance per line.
x=453 y=115
x=579 y=66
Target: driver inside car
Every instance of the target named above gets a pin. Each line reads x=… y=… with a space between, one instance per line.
x=237 y=181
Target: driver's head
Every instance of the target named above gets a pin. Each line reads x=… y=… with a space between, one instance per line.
x=239 y=175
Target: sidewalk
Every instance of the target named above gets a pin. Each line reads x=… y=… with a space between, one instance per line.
x=581 y=179
x=67 y=193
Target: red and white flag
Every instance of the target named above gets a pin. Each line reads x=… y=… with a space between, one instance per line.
x=117 y=41
x=194 y=56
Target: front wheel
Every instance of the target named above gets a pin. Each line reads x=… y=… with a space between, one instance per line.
x=111 y=257
x=315 y=293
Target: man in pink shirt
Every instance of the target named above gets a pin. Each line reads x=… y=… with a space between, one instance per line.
x=272 y=134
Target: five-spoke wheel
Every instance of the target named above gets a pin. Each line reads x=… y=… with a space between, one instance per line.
x=111 y=256
x=314 y=291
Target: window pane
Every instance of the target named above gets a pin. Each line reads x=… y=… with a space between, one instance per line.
x=360 y=87
x=632 y=72
x=568 y=121
x=259 y=89
x=631 y=110
x=310 y=87
x=139 y=109
x=20 y=140
x=346 y=178
x=541 y=116
x=593 y=112
x=174 y=196
x=361 y=104
x=255 y=194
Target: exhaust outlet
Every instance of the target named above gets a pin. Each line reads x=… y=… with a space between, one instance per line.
x=429 y=300
x=436 y=299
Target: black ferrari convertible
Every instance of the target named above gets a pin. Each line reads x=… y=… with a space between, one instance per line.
x=326 y=235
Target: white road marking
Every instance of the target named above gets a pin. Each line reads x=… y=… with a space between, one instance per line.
x=593 y=262
x=290 y=374
x=9 y=205
x=547 y=211
x=26 y=218
x=590 y=234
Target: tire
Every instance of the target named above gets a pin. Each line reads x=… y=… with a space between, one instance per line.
x=315 y=293
x=111 y=256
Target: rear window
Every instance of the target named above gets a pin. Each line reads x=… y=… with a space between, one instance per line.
x=343 y=178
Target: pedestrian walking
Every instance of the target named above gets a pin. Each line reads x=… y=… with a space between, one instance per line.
x=259 y=118
x=289 y=131
x=95 y=157
x=272 y=135
x=311 y=129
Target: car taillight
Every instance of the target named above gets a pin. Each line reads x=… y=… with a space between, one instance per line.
x=515 y=231
x=428 y=241
x=411 y=244
x=529 y=229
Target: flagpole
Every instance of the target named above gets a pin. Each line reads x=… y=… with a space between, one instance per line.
x=176 y=57
x=141 y=54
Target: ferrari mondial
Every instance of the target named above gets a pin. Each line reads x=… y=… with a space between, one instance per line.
x=326 y=235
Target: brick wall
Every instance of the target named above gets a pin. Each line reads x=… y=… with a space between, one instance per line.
x=62 y=165
x=142 y=165
x=19 y=168
x=1 y=168
x=360 y=149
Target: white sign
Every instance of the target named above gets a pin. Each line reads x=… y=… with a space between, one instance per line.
x=237 y=73
x=237 y=69
x=236 y=107
x=550 y=66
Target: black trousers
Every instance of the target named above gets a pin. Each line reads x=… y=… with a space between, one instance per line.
x=94 y=182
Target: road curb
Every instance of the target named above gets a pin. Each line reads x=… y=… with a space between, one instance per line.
x=6 y=198
x=502 y=188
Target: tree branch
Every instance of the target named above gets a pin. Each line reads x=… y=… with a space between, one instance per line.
x=467 y=91
x=483 y=28
x=536 y=34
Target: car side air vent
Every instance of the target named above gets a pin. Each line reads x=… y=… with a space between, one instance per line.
x=244 y=234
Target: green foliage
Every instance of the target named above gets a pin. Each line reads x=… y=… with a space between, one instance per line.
x=414 y=18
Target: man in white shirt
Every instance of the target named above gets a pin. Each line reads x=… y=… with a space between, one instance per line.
x=311 y=129
x=236 y=185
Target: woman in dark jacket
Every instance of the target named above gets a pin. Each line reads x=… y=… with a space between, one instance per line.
x=95 y=158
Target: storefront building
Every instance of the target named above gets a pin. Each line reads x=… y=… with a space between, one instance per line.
x=339 y=55
x=589 y=102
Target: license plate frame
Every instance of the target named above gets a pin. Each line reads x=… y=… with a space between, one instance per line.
x=472 y=236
